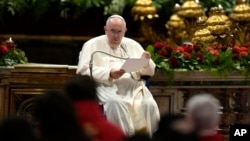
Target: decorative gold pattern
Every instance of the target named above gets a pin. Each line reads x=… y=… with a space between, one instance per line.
x=241 y=22
x=144 y=9
x=176 y=26
x=182 y=25
x=219 y=25
x=241 y=11
x=191 y=11
x=215 y=23
x=202 y=34
x=145 y=12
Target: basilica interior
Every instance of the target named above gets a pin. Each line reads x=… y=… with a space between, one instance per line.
x=52 y=39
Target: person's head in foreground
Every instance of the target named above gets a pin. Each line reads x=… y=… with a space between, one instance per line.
x=203 y=109
x=15 y=128
x=175 y=127
x=81 y=87
x=56 y=118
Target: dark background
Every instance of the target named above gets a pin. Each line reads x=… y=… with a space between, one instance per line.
x=46 y=37
x=55 y=40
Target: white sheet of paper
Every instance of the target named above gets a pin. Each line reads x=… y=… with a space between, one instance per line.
x=134 y=64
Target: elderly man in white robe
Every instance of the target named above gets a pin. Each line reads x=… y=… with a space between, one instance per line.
x=127 y=101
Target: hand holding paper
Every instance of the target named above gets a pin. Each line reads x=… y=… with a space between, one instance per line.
x=134 y=64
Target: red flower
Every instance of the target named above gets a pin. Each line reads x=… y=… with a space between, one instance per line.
x=215 y=53
x=245 y=49
x=3 y=49
x=223 y=48
x=196 y=56
x=197 y=47
x=180 y=49
x=174 y=62
x=209 y=48
x=187 y=55
x=244 y=54
x=200 y=57
x=245 y=45
x=10 y=45
x=188 y=48
x=158 y=45
x=169 y=48
x=236 y=49
x=162 y=52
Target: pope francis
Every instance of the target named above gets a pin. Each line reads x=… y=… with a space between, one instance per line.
x=126 y=99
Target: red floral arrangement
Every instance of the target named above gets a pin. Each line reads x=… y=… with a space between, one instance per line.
x=190 y=56
x=10 y=54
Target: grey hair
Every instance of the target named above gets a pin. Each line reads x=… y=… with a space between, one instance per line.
x=198 y=105
x=201 y=99
x=116 y=16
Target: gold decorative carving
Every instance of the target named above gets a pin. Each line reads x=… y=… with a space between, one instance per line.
x=176 y=26
x=144 y=12
x=144 y=9
x=241 y=11
x=218 y=25
x=183 y=25
x=202 y=34
x=241 y=22
x=191 y=11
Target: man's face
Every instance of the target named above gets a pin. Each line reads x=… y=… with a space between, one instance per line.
x=115 y=31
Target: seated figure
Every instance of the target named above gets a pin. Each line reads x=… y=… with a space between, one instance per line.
x=127 y=101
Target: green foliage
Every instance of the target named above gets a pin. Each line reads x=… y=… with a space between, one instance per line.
x=227 y=5
x=10 y=54
x=115 y=7
x=75 y=8
x=14 y=56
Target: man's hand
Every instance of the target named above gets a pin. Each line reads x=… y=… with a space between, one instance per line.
x=116 y=73
x=146 y=55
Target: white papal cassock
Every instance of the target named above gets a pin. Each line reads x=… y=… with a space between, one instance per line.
x=127 y=101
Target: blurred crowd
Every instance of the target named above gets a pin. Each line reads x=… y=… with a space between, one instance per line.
x=74 y=114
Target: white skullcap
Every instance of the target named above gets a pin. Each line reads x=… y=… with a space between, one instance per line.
x=116 y=16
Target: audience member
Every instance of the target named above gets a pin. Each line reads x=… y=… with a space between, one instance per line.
x=203 y=109
x=139 y=137
x=56 y=118
x=82 y=91
x=175 y=127
x=16 y=128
